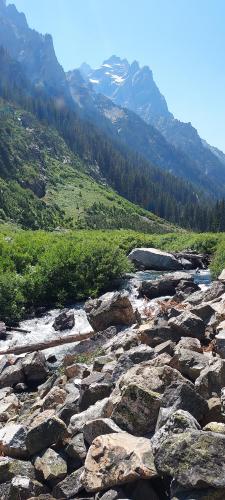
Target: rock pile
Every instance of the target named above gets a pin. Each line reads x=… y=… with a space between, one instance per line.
x=143 y=420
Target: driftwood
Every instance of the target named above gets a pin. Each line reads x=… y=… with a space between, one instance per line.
x=41 y=346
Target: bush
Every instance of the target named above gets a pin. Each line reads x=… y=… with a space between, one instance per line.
x=12 y=300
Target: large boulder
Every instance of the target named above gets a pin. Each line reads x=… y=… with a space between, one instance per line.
x=12 y=441
x=113 y=308
x=12 y=375
x=46 y=429
x=115 y=459
x=188 y=325
x=99 y=427
x=35 y=368
x=98 y=410
x=182 y=396
x=137 y=410
x=51 y=467
x=179 y=421
x=212 y=379
x=213 y=292
x=11 y=467
x=93 y=388
x=64 y=321
x=152 y=258
x=195 y=459
x=134 y=356
x=164 y=286
x=189 y=363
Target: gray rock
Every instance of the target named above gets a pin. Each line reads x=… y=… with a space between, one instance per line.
x=182 y=396
x=101 y=361
x=98 y=410
x=222 y=276
x=164 y=286
x=115 y=459
x=220 y=344
x=213 y=292
x=195 y=459
x=12 y=375
x=76 y=448
x=70 y=486
x=157 y=331
x=212 y=379
x=137 y=410
x=113 y=308
x=11 y=467
x=130 y=358
x=95 y=387
x=35 y=368
x=99 y=427
x=189 y=343
x=179 y=421
x=23 y=488
x=2 y=330
x=64 y=321
x=13 y=441
x=204 y=311
x=152 y=258
x=50 y=467
x=188 y=325
x=165 y=347
x=189 y=363
x=46 y=430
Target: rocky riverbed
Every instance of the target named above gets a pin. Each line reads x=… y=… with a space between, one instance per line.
x=136 y=411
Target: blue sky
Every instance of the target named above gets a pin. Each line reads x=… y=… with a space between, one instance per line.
x=183 y=41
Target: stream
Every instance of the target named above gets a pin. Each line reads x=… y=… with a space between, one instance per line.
x=41 y=329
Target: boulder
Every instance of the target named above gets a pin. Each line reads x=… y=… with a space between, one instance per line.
x=50 y=467
x=70 y=486
x=133 y=356
x=215 y=412
x=165 y=347
x=137 y=410
x=113 y=308
x=11 y=467
x=179 y=493
x=64 y=321
x=164 y=286
x=101 y=361
x=212 y=378
x=56 y=396
x=3 y=331
x=98 y=410
x=189 y=343
x=213 y=292
x=152 y=258
x=76 y=448
x=99 y=427
x=220 y=343
x=22 y=488
x=46 y=429
x=188 y=325
x=93 y=388
x=179 y=421
x=115 y=459
x=13 y=441
x=77 y=370
x=215 y=427
x=35 y=368
x=12 y=375
x=189 y=363
x=182 y=396
x=157 y=331
x=195 y=459
x=204 y=311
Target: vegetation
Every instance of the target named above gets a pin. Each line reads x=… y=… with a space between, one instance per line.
x=46 y=269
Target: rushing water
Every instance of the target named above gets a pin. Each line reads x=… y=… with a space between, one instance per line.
x=41 y=328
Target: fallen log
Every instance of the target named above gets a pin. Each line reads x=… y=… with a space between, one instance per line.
x=15 y=329
x=41 y=346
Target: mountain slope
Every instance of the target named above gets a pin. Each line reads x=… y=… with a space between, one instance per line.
x=133 y=87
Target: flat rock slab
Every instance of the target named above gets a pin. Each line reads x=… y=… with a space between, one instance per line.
x=115 y=459
x=152 y=258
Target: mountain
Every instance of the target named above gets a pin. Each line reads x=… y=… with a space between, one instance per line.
x=34 y=51
x=133 y=87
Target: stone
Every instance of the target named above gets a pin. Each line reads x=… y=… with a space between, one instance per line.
x=55 y=397
x=98 y=410
x=189 y=343
x=189 y=363
x=70 y=486
x=101 y=361
x=195 y=459
x=213 y=292
x=3 y=331
x=46 y=429
x=77 y=370
x=99 y=427
x=123 y=340
x=22 y=488
x=157 y=331
x=12 y=441
x=204 y=311
x=35 y=368
x=220 y=343
x=165 y=347
x=51 y=467
x=214 y=413
x=9 y=406
x=95 y=387
x=212 y=379
x=179 y=421
x=215 y=427
x=152 y=258
x=76 y=448
x=188 y=325
x=113 y=308
x=12 y=375
x=11 y=467
x=64 y=321
x=179 y=493
x=115 y=459
x=164 y=286
x=222 y=276
x=137 y=410
x=186 y=287
x=133 y=356
x=182 y=396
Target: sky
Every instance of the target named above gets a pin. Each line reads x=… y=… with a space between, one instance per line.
x=183 y=42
